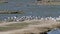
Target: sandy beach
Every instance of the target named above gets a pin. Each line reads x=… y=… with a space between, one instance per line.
x=36 y=27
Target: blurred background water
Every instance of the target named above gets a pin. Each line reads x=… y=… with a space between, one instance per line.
x=30 y=8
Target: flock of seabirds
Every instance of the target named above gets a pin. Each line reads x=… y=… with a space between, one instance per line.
x=24 y=18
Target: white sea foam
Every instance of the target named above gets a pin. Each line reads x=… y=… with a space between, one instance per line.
x=23 y=18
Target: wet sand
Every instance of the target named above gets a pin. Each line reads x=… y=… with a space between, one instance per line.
x=48 y=3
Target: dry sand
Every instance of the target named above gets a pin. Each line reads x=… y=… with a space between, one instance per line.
x=42 y=26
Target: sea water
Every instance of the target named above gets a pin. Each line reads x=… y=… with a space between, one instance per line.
x=30 y=8
x=54 y=31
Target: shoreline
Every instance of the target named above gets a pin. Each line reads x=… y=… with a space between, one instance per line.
x=29 y=18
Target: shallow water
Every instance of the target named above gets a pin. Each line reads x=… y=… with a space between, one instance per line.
x=57 y=31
